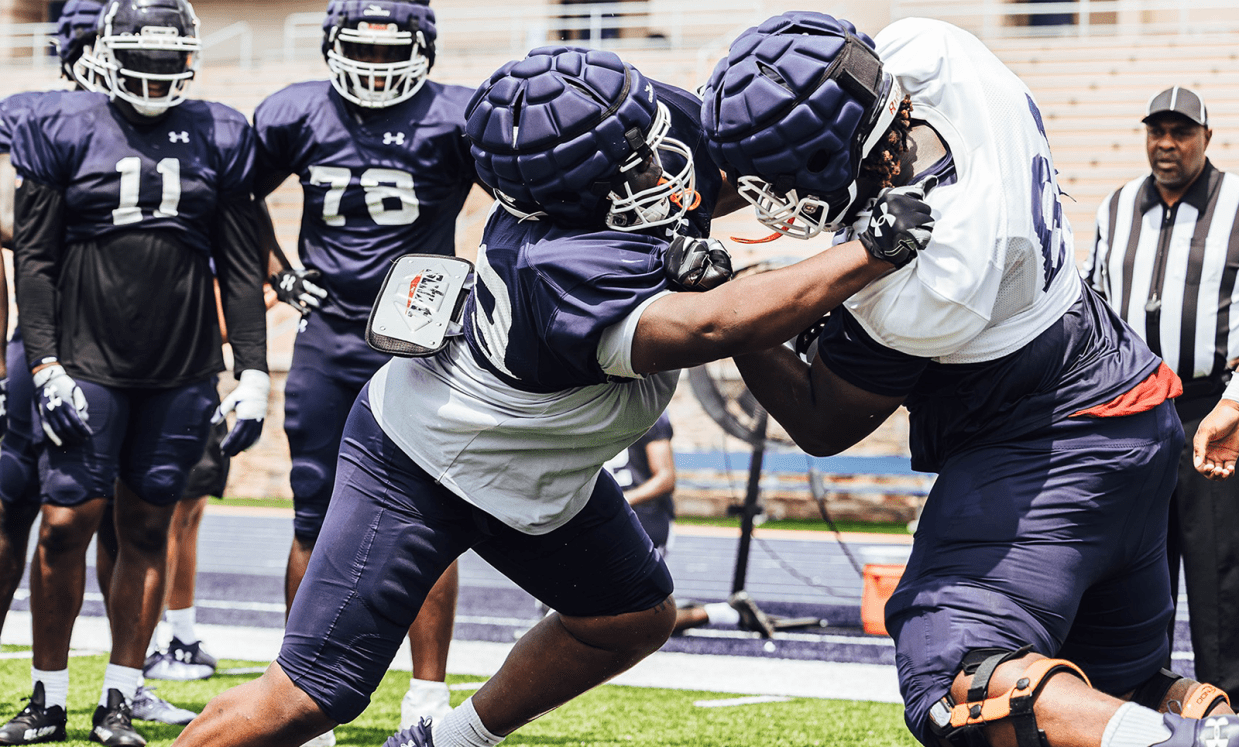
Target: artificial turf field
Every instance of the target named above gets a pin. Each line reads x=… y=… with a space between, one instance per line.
x=609 y=715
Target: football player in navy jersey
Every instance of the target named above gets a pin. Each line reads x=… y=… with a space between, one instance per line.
x=571 y=348
x=127 y=199
x=385 y=168
x=1047 y=419
x=19 y=485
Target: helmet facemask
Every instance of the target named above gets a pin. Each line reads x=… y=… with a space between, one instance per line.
x=150 y=69
x=87 y=72
x=635 y=207
x=805 y=216
x=380 y=81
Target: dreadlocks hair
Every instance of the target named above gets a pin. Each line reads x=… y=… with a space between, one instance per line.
x=882 y=163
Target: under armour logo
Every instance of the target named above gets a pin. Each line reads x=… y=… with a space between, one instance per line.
x=178 y=137
x=1215 y=739
x=883 y=220
x=375 y=10
x=287 y=282
x=303 y=324
x=393 y=138
x=649 y=91
x=53 y=397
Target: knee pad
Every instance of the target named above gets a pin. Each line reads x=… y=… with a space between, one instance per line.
x=962 y=724
x=160 y=486
x=1193 y=702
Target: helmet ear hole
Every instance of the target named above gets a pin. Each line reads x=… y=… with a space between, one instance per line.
x=818 y=162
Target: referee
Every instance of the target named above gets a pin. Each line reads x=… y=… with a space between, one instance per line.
x=1165 y=258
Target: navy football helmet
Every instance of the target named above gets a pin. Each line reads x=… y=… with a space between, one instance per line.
x=148 y=50
x=791 y=112
x=578 y=135
x=75 y=42
x=379 y=51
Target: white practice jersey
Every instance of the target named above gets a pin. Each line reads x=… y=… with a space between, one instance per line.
x=999 y=268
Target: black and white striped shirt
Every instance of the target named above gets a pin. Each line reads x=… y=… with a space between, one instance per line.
x=1170 y=272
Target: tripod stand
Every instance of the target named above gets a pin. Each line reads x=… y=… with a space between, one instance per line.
x=751 y=616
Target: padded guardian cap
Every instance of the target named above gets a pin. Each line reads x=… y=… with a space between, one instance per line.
x=791 y=112
x=569 y=133
x=76 y=30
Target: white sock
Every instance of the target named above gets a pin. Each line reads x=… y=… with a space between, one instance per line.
x=722 y=613
x=462 y=728
x=182 y=623
x=125 y=679
x=55 y=685
x=1135 y=726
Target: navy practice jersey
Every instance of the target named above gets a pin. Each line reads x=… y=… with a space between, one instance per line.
x=1086 y=358
x=377 y=186
x=544 y=296
x=116 y=176
x=117 y=226
x=13 y=109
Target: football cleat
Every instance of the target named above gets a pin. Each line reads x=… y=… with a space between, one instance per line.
x=147 y=706
x=751 y=616
x=429 y=703
x=36 y=722
x=417 y=735
x=113 y=723
x=180 y=662
x=1210 y=731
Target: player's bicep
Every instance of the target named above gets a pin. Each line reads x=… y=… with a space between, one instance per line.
x=852 y=411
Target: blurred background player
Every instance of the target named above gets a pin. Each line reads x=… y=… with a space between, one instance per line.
x=571 y=347
x=645 y=471
x=126 y=201
x=19 y=482
x=1046 y=418
x=385 y=169
x=1161 y=259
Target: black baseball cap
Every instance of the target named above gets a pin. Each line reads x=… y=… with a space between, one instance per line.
x=1180 y=101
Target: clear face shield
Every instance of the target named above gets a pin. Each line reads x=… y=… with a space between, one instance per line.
x=376 y=65
x=805 y=216
x=151 y=69
x=650 y=195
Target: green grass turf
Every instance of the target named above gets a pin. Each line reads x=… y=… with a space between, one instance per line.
x=609 y=715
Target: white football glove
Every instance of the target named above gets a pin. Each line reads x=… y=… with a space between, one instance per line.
x=249 y=401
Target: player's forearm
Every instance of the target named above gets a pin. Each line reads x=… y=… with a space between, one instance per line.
x=39 y=238
x=752 y=313
x=656 y=486
x=241 y=267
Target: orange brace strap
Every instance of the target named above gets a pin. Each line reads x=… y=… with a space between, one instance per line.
x=960 y=725
x=1203 y=700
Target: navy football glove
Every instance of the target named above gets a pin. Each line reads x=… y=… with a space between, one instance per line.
x=697 y=264
x=296 y=288
x=62 y=406
x=900 y=224
x=249 y=400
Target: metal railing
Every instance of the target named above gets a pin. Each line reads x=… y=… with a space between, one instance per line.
x=991 y=19
x=243 y=33
x=29 y=42
x=619 y=24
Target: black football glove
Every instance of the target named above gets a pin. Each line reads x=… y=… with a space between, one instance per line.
x=296 y=288
x=697 y=264
x=900 y=223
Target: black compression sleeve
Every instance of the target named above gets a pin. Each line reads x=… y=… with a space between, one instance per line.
x=38 y=238
x=240 y=265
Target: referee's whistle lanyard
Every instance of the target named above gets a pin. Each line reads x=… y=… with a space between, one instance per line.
x=1153 y=306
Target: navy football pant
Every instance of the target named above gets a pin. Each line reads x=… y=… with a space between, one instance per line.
x=149 y=438
x=390 y=533
x=19 y=450
x=1058 y=541
x=331 y=363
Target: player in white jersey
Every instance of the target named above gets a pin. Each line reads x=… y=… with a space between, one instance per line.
x=571 y=345
x=1041 y=548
